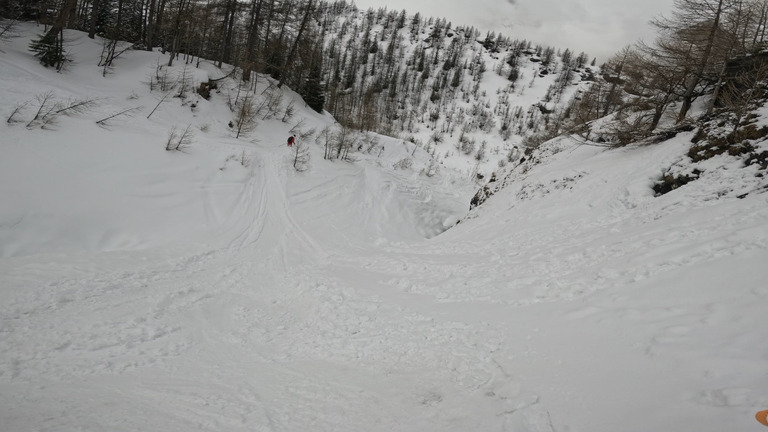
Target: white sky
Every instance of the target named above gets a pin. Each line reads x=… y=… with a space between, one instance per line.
x=598 y=27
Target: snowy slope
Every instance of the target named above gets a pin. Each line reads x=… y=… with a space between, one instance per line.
x=153 y=290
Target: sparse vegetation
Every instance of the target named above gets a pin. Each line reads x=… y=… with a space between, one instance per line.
x=50 y=109
x=178 y=140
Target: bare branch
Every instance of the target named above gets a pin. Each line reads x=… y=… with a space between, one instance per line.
x=127 y=112
x=178 y=141
x=78 y=106
x=297 y=126
x=16 y=110
x=45 y=100
x=289 y=111
x=8 y=29
x=158 y=104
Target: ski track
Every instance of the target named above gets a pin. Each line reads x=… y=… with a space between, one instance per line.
x=96 y=329
x=282 y=333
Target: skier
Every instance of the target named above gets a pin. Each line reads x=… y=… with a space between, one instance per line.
x=291 y=140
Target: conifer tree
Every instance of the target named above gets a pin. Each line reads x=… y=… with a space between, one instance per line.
x=49 y=48
x=312 y=91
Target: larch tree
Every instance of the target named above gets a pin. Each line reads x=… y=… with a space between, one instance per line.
x=696 y=22
x=289 y=60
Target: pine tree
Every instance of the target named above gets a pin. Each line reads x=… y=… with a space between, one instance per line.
x=312 y=92
x=50 y=47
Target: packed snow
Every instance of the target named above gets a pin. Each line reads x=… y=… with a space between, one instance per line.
x=218 y=289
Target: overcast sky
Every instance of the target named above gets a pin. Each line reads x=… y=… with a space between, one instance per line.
x=598 y=27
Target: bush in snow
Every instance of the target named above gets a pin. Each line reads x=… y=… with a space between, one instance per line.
x=404 y=163
x=49 y=110
x=466 y=145
x=480 y=155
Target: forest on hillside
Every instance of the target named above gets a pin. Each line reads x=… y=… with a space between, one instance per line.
x=374 y=70
x=393 y=73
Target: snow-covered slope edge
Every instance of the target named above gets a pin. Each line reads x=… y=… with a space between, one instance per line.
x=654 y=306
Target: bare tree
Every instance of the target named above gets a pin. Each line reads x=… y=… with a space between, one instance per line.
x=272 y=102
x=16 y=111
x=184 y=81
x=246 y=116
x=289 y=111
x=228 y=30
x=325 y=137
x=744 y=92
x=46 y=104
x=110 y=51
x=343 y=141
x=50 y=109
x=181 y=6
x=697 y=24
x=254 y=19
x=656 y=79
x=179 y=140
x=612 y=71
x=301 y=155
x=292 y=53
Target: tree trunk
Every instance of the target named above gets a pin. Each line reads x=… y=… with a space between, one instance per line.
x=286 y=16
x=176 y=30
x=71 y=14
x=159 y=23
x=94 y=16
x=699 y=73
x=614 y=84
x=149 y=39
x=253 y=33
x=292 y=53
x=269 y=24
x=119 y=25
x=716 y=92
x=229 y=24
x=55 y=35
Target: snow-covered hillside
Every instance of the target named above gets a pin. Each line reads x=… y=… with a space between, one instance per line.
x=219 y=289
x=469 y=100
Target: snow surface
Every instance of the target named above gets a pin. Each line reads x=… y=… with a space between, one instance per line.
x=186 y=291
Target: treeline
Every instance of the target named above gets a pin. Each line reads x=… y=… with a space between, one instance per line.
x=278 y=37
x=391 y=73
x=700 y=50
x=376 y=70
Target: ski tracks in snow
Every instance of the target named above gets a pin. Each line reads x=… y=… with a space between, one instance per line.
x=311 y=307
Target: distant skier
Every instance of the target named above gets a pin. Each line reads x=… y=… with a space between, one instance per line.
x=291 y=140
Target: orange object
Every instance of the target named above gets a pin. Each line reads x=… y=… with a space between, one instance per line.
x=762 y=417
